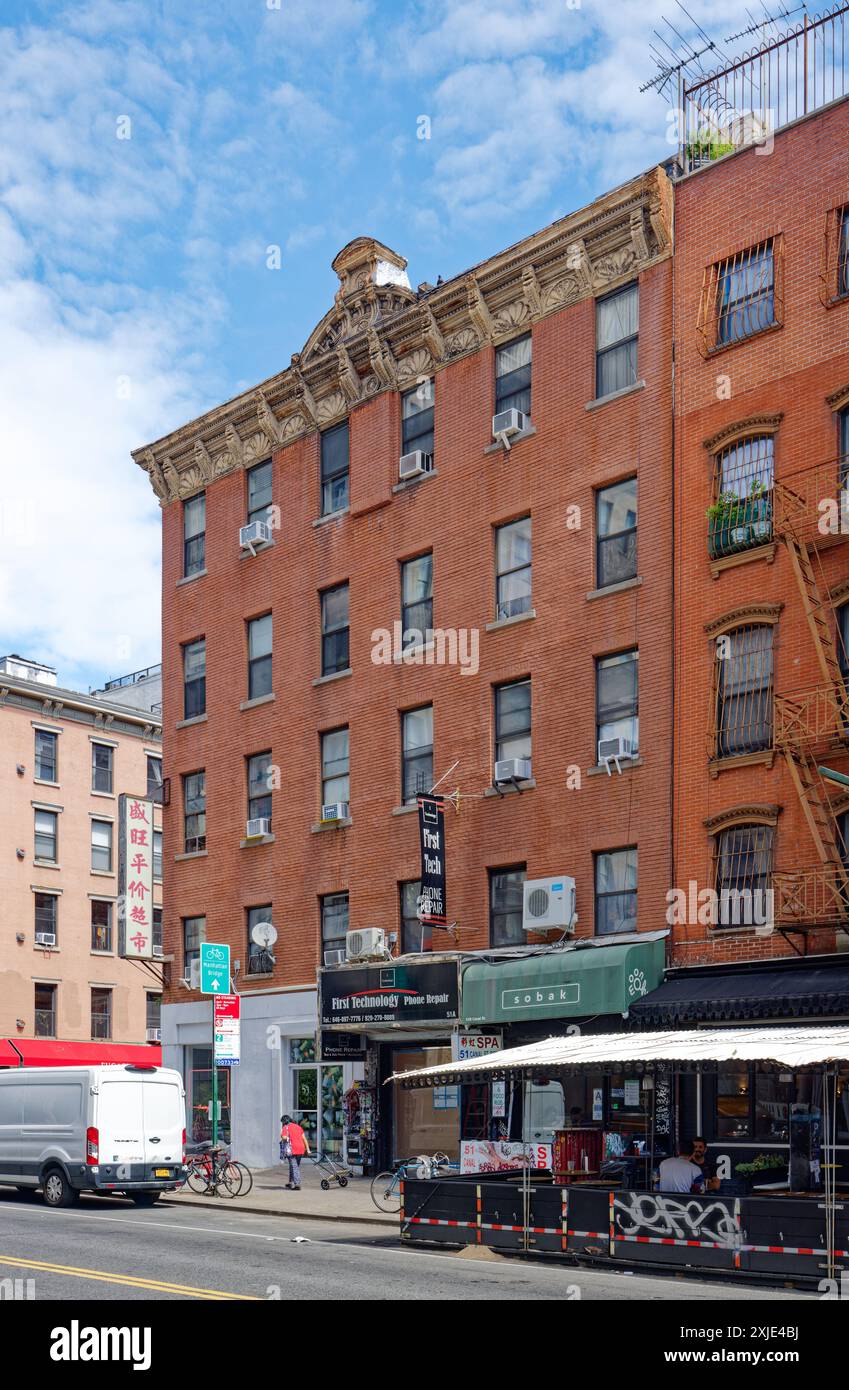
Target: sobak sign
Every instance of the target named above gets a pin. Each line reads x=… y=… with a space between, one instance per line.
x=135 y=877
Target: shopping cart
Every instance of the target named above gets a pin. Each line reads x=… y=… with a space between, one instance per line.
x=333 y=1171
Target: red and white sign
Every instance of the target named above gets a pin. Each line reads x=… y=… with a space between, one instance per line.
x=135 y=877
x=481 y=1156
x=227 y=1029
x=476 y=1045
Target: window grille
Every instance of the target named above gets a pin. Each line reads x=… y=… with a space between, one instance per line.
x=741 y=296
x=744 y=689
x=740 y=515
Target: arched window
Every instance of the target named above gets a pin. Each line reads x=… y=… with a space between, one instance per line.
x=843 y=638
x=740 y=515
x=744 y=874
x=744 y=690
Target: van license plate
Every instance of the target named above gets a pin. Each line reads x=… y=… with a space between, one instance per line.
x=162 y=1172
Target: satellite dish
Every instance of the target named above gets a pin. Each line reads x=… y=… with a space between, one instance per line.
x=263 y=934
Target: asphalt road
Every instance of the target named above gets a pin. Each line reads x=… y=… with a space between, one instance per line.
x=106 y=1249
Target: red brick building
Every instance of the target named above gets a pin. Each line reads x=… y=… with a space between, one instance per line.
x=528 y=557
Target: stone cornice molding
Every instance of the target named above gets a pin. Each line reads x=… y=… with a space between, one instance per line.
x=838 y=400
x=380 y=336
x=766 y=613
x=742 y=429
x=755 y=814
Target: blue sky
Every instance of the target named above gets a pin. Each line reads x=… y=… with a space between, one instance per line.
x=151 y=151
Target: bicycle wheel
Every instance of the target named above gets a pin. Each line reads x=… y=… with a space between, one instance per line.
x=228 y=1180
x=247 y=1177
x=386 y=1191
x=197 y=1179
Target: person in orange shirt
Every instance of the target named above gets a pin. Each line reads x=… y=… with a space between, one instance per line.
x=294 y=1145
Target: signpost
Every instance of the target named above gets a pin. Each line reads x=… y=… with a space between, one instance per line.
x=214 y=980
x=225 y=1012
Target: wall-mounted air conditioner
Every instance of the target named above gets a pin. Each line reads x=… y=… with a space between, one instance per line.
x=154 y=1034
x=507 y=423
x=548 y=904
x=254 y=534
x=335 y=810
x=512 y=770
x=365 y=944
x=255 y=829
x=45 y=938
x=335 y=957
x=415 y=465
x=613 y=750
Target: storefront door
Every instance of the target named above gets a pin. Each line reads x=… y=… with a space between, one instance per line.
x=199 y=1095
x=317 y=1092
x=426 y=1121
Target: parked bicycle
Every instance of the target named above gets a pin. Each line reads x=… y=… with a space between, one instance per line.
x=386 y=1186
x=213 y=1173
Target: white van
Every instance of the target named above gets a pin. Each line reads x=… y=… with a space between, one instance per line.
x=112 y=1128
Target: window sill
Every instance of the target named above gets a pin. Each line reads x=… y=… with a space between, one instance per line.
x=110 y=796
x=191 y=854
x=37 y=946
x=190 y=578
x=616 y=395
x=625 y=763
x=334 y=676
x=511 y=622
x=497 y=447
x=46 y=864
x=258 y=975
x=718 y=348
x=764 y=756
x=94 y=952
x=257 y=700
x=506 y=788
x=332 y=516
x=743 y=557
x=404 y=810
x=257 y=840
x=330 y=825
x=615 y=588
x=43 y=782
x=407 y=483
x=102 y=873
x=259 y=547
x=196 y=719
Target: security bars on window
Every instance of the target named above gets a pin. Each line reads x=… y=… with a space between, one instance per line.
x=741 y=296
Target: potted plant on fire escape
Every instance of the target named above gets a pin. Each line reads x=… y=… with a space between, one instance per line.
x=737 y=521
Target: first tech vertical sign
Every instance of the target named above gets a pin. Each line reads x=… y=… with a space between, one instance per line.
x=433 y=904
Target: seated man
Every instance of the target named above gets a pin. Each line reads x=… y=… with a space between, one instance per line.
x=680 y=1174
x=707 y=1167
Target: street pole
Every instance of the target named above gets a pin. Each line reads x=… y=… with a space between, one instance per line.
x=214 y=1081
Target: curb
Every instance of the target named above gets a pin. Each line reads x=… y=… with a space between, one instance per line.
x=233 y=1205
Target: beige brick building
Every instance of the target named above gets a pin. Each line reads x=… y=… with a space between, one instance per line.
x=66 y=759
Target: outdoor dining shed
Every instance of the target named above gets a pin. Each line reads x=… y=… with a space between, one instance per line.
x=608 y=1207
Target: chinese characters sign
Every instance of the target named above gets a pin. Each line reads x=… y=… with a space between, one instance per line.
x=135 y=878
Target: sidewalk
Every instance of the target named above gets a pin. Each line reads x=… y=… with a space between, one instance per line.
x=269 y=1197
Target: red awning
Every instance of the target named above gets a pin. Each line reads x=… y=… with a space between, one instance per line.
x=44 y=1052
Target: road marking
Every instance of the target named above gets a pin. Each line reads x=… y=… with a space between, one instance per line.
x=106 y=1277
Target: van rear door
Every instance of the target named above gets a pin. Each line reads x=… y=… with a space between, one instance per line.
x=120 y=1119
x=164 y=1119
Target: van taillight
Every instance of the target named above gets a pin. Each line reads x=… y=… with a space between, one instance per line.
x=92 y=1141
x=184 y=1146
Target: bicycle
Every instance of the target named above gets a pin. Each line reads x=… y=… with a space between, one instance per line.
x=213 y=1173
x=386 y=1187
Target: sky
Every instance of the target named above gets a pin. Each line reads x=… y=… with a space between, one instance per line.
x=175 y=179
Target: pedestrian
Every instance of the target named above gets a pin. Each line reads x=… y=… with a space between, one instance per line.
x=293 y=1146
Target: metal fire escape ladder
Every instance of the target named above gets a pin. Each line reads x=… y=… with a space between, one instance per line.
x=820 y=625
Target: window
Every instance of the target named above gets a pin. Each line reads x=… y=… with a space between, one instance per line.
x=45 y=1011
x=46 y=750
x=616 y=533
x=194 y=932
x=194 y=679
x=513 y=720
x=101 y=846
x=417 y=752
x=745 y=294
x=101 y=926
x=513 y=376
x=335 y=780
x=617 y=321
x=259 y=787
x=259 y=491
x=334 y=921
x=334 y=630
x=744 y=691
x=615 y=891
x=417 y=601
x=843 y=253
x=415 y=935
x=259 y=958
x=513 y=568
x=505 y=907
x=259 y=657
x=157 y=855
x=843 y=432
x=101 y=1013
x=153 y=1013
x=194 y=812
x=101 y=767
x=417 y=419
x=741 y=513
x=154 y=779
x=157 y=931
x=744 y=874
x=732 y=1101
x=754 y=1101
x=843 y=639
x=46 y=913
x=194 y=535
x=617 y=696
x=334 y=469
x=46 y=835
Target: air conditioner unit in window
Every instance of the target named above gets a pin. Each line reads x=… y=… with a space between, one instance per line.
x=548 y=904
x=335 y=957
x=334 y=810
x=154 y=1034
x=512 y=770
x=255 y=533
x=158 y=951
x=362 y=945
x=45 y=938
x=611 y=750
x=509 y=422
x=415 y=465
x=255 y=829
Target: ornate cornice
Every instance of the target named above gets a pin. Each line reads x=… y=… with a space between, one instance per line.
x=839 y=592
x=380 y=335
x=839 y=399
x=755 y=814
x=741 y=429
x=736 y=617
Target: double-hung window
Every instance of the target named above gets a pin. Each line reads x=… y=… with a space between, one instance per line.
x=45 y=1010
x=335 y=767
x=417 y=601
x=617 y=698
x=334 y=921
x=335 y=630
x=259 y=787
x=46 y=914
x=744 y=875
x=157 y=855
x=259 y=957
x=616 y=891
x=194 y=679
x=101 y=1013
x=505 y=906
x=194 y=812
x=259 y=657
x=616 y=533
x=415 y=934
x=259 y=491
x=102 y=756
x=745 y=294
x=334 y=469
x=154 y=778
x=417 y=756
x=513 y=568
x=417 y=419
x=46 y=750
x=616 y=334
x=513 y=376
x=101 y=846
x=513 y=720
x=843 y=253
x=194 y=934
x=744 y=690
x=46 y=836
x=101 y=926
x=194 y=535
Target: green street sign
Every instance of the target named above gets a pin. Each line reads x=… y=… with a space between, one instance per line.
x=214 y=968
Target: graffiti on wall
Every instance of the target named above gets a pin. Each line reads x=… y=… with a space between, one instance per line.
x=678 y=1218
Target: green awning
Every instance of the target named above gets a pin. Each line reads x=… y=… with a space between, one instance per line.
x=575 y=983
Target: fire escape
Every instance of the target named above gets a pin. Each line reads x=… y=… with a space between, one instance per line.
x=813 y=724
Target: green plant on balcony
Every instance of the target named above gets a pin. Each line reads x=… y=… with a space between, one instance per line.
x=737 y=521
